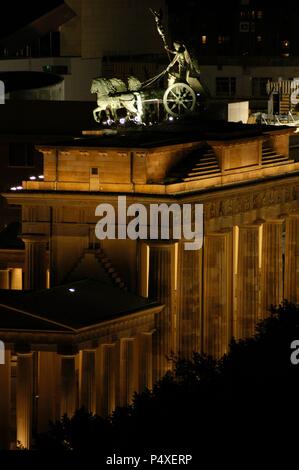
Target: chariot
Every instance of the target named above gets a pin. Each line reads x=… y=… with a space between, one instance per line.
x=183 y=91
x=139 y=99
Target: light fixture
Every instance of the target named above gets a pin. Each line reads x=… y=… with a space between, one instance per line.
x=13 y=188
x=32 y=178
x=122 y=120
x=41 y=177
x=71 y=289
x=19 y=187
x=170 y=118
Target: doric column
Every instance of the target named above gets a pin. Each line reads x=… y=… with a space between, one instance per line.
x=105 y=379
x=4 y=278
x=16 y=279
x=127 y=371
x=24 y=399
x=189 y=301
x=272 y=276
x=35 y=260
x=217 y=319
x=145 y=360
x=47 y=389
x=87 y=380
x=68 y=395
x=248 y=281
x=291 y=280
x=5 y=405
x=162 y=288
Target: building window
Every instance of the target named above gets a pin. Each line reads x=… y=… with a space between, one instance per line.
x=226 y=86
x=57 y=69
x=223 y=39
x=259 y=87
x=21 y=155
x=259 y=15
x=94 y=171
x=244 y=27
x=204 y=39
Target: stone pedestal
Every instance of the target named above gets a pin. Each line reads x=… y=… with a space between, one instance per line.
x=24 y=399
x=5 y=402
x=35 y=260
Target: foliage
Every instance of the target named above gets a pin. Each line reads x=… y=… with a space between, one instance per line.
x=205 y=400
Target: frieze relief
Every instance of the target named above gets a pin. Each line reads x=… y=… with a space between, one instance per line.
x=255 y=200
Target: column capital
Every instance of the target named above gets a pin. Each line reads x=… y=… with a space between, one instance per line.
x=34 y=237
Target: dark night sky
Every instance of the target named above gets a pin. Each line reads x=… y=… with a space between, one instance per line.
x=15 y=14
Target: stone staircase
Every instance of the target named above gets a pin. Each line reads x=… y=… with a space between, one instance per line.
x=201 y=164
x=270 y=157
x=284 y=105
x=110 y=270
x=95 y=264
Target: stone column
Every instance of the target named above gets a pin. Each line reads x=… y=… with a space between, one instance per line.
x=4 y=278
x=35 y=260
x=87 y=380
x=218 y=286
x=5 y=402
x=161 y=287
x=145 y=360
x=105 y=379
x=68 y=394
x=189 y=301
x=291 y=280
x=47 y=389
x=127 y=371
x=248 y=281
x=272 y=276
x=16 y=279
x=24 y=399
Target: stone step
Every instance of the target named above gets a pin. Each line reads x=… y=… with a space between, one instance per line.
x=202 y=173
x=277 y=161
x=199 y=177
x=205 y=165
x=269 y=152
x=274 y=157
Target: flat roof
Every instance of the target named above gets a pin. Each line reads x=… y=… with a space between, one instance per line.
x=71 y=306
x=189 y=129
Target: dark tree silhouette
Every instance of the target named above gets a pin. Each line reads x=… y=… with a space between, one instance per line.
x=246 y=400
